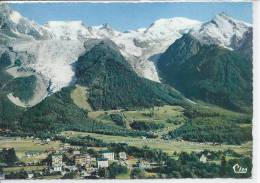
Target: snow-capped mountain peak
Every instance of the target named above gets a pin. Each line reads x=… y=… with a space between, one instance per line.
x=221 y=30
x=223 y=17
x=173 y=23
x=68 y=30
x=18 y=26
x=167 y=26
x=56 y=45
x=15 y=17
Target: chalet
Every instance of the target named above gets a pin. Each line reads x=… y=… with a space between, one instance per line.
x=102 y=162
x=108 y=155
x=203 y=158
x=143 y=164
x=76 y=152
x=122 y=156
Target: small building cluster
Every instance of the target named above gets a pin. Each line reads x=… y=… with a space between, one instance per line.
x=75 y=161
x=56 y=162
x=84 y=163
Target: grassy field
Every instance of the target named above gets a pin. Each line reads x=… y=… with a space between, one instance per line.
x=25 y=168
x=161 y=115
x=168 y=146
x=22 y=145
x=158 y=113
x=79 y=97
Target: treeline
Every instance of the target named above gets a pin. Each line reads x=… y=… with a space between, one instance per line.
x=146 y=125
x=82 y=141
x=213 y=130
x=187 y=165
x=8 y=156
x=213 y=124
x=112 y=171
x=118 y=118
x=199 y=110
x=17 y=175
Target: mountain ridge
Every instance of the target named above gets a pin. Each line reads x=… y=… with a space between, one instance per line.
x=63 y=43
x=113 y=84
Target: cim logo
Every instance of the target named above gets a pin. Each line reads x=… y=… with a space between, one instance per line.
x=238 y=169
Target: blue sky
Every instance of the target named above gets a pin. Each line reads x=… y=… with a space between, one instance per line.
x=129 y=16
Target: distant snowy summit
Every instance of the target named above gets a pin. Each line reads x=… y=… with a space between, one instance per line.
x=14 y=25
x=222 y=30
x=67 y=30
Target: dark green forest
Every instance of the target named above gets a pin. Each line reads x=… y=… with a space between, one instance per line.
x=113 y=84
x=210 y=73
x=218 y=130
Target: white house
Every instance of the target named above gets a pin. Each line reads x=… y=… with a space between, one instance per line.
x=76 y=152
x=30 y=175
x=108 y=155
x=143 y=164
x=102 y=162
x=203 y=158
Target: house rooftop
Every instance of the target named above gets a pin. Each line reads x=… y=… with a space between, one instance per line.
x=57 y=154
x=105 y=151
x=102 y=159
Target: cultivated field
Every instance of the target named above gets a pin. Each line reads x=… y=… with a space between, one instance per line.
x=29 y=145
x=168 y=146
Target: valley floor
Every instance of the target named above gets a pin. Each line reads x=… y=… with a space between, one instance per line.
x=33 y=154
x=168 y=146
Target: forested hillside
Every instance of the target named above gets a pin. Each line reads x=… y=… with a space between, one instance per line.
x=113 y=84
x=208 y=72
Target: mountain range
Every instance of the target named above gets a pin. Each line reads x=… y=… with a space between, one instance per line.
x=173 y=61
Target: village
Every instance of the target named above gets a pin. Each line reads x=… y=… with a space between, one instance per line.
x=57 y=159
x=71 y=162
